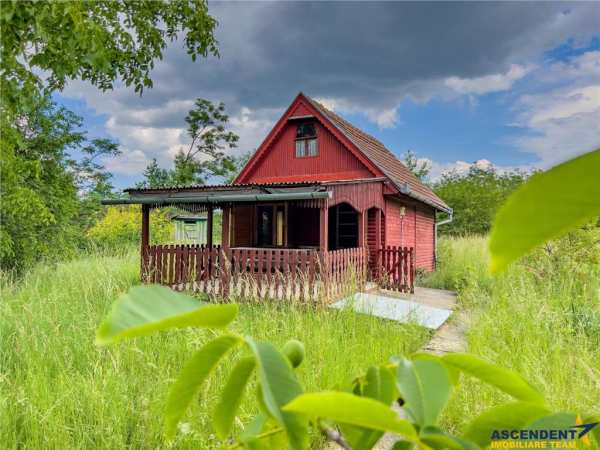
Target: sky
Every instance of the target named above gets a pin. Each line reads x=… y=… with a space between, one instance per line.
x=514 y=85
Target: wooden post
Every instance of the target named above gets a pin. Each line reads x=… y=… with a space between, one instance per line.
x=209 y=227
x=378 y=243
x=361 y=228
x=145 y=241
x=209 y=238
x=225 y=227
x=323 y=228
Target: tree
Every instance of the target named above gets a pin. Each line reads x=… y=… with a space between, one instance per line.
x=43 y=45
x=205 y=157
x=92 y=179
x=42 y=186
x=155 y=176
x=475 y=196
x=419 y=168
x=96 y=41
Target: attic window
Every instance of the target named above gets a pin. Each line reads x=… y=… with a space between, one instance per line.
x=306 y=140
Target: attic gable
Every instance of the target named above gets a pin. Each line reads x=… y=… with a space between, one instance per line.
x=278 y=159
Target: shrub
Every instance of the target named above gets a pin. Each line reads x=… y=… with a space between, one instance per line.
x=121 y=226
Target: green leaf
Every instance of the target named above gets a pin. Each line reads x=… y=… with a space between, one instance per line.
x=438 y=439
x=231 y=396
x=351 y=409
x=379 y=385
x=506 y=380
x=452 y=371
x=279 y=386
x=425 y=386
x=146 y=309
x=190 y=380
x=514 y=415
x=548 y=205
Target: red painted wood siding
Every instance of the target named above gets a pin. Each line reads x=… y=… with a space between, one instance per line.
x=415 y=229
x=333 y=162
x=361 y=196
x=425 y=256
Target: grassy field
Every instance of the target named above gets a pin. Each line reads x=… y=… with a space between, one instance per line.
x=540 y=318
x=59 y=391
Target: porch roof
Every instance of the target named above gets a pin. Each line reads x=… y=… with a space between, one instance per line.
x=221 y=194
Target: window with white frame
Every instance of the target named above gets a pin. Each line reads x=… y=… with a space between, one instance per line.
x=306 y=140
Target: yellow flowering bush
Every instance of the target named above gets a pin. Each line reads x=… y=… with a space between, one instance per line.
x=122 y=225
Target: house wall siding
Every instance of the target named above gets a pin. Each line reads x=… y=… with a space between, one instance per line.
x=415 y=229
x=333 y=162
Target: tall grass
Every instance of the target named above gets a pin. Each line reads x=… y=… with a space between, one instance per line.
x=57 y=390
x=540 y=318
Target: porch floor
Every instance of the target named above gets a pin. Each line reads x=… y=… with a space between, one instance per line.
x=429 y=308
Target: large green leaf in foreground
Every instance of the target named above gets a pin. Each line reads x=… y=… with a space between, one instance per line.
x=279 y=386
x=192 y=376
x=548 y=205
x=232 y=394
x=343 y=407
x=506 y=380
x=425 y=386
x=146 y=309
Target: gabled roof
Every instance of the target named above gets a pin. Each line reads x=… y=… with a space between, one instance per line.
x=384 y=159
x=372 y=153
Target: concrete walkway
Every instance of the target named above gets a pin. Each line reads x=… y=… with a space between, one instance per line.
x=429 y=308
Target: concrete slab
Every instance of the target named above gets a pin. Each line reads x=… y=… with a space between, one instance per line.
x=397 y=309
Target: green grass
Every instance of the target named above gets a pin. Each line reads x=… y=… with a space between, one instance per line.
x=541 y=318
x=58 y=390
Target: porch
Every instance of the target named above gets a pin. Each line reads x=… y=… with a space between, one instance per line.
x=305 y=241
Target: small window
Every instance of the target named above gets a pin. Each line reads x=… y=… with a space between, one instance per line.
x=306 y=140
x=305 y=131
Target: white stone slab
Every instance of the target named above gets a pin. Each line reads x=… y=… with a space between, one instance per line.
x=403 y=311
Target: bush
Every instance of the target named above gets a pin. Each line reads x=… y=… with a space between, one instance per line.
x=122 y=226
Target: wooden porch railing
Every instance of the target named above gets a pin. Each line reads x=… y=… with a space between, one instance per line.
x=305 y=275
x=395 y=268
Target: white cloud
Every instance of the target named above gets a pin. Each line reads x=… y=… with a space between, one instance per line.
x=383 y=118
x=564 y=120
x=462 y=167
x=488 y=83
x=129 y=163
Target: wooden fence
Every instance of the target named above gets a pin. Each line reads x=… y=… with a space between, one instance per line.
x=395 y=268
x=305 y=275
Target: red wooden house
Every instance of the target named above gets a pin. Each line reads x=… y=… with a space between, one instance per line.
x=317 y=190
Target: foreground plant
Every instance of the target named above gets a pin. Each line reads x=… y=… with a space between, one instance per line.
x=355 y=417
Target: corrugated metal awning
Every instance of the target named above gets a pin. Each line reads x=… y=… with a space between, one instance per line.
x=217 y=198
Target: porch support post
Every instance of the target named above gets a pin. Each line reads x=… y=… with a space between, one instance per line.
x=378 y=243
x=209 y=227
x=225 y=227
x=361 y=228
x=145 y=241
x=209 y=239
x=323 y=227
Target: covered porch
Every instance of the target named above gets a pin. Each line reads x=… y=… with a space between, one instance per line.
x=300 y=240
